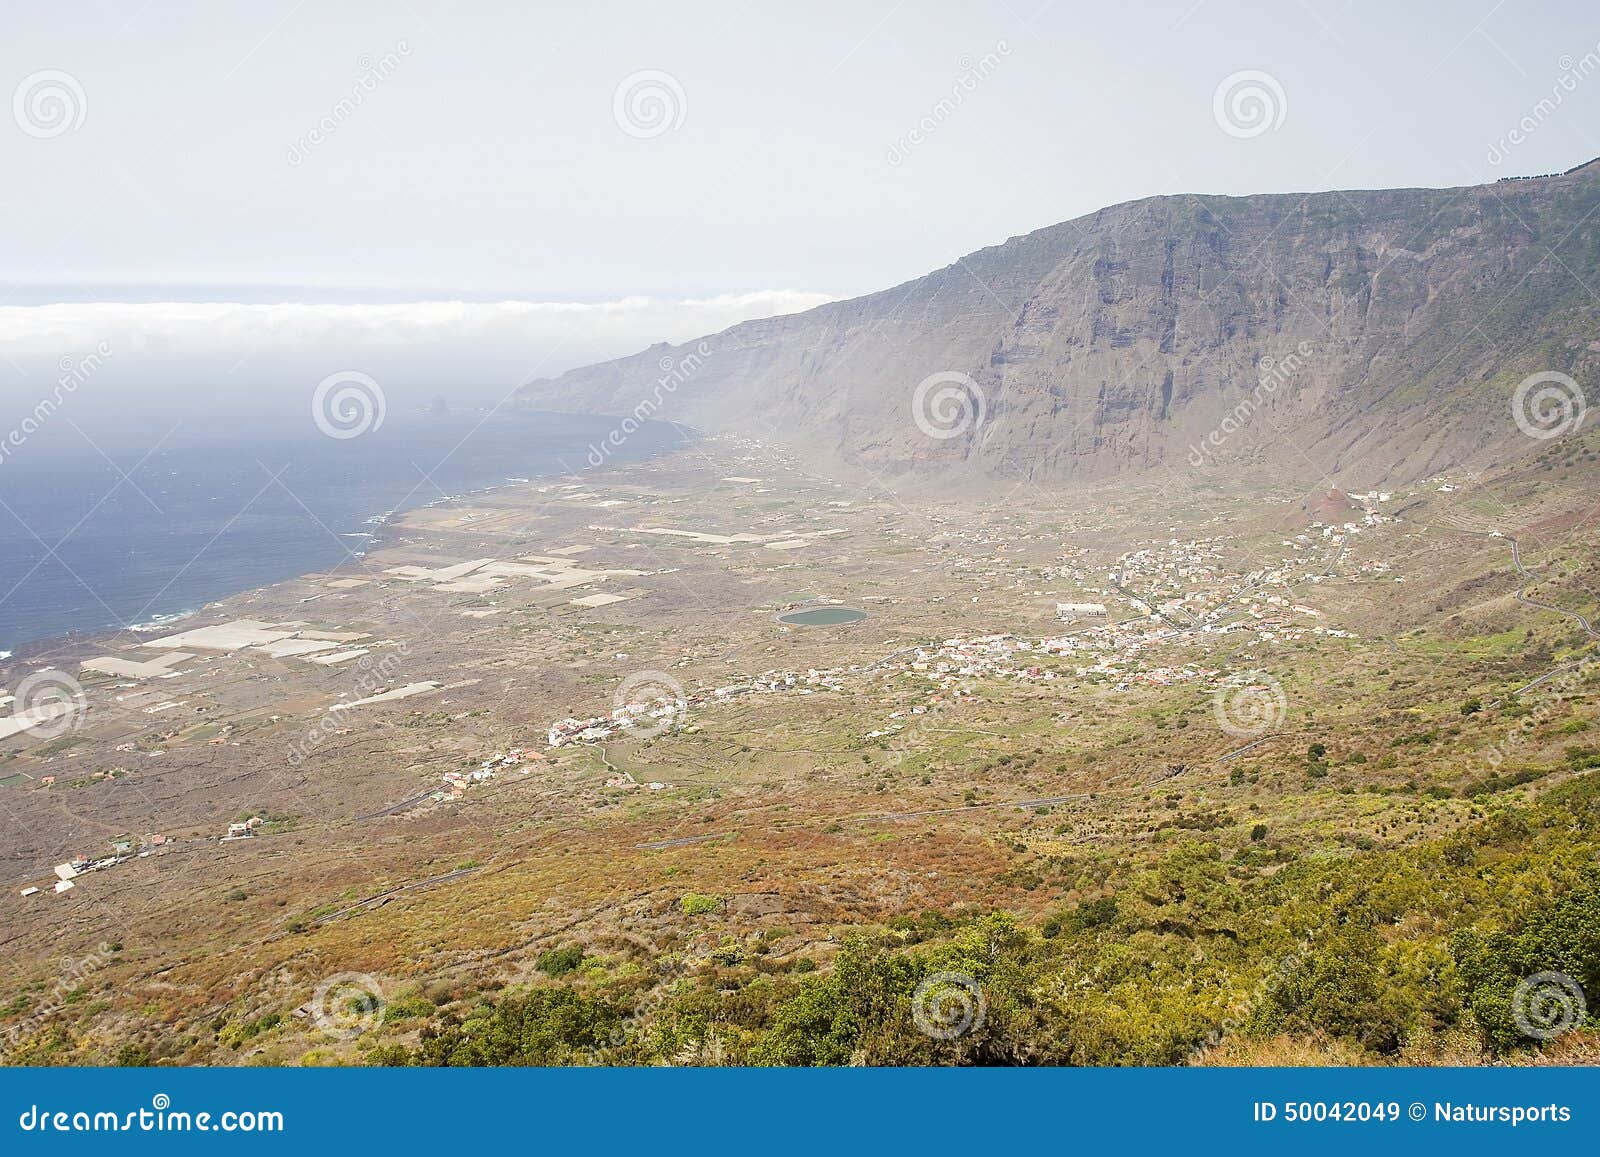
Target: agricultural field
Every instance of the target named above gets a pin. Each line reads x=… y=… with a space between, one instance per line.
x=1155 y=775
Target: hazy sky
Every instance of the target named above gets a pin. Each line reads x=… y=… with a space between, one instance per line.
x=489 y=159
x=381 y=152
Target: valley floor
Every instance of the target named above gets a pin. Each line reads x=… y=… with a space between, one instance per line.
x=1161 y=774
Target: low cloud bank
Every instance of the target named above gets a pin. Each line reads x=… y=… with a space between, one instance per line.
x=236 y=357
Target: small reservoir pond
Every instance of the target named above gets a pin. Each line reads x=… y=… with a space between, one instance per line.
x=822 y=617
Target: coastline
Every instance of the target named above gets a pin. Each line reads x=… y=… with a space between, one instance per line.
x=37 y=651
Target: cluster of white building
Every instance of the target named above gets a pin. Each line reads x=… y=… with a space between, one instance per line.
x=244 y=829
x=122 y=850
x=666 y=711
x=457 y=783
x=1179 y=592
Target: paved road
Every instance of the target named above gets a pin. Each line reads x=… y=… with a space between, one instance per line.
x=444 y=879
x=1338 y=554
x=940 y=811
x=1516 y=559
x=1241 y=750
x=396 y=808
x=1522 y=597
x=680 y=842
x=1548 y=675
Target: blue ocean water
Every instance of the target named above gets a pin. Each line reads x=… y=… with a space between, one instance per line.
x=104 y=526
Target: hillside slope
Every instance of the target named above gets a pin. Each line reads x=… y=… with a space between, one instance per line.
x=1372 y=336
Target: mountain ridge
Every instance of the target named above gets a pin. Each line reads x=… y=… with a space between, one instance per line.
x=1370 y=336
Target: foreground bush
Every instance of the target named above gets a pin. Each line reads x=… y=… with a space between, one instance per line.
x=1364 y=956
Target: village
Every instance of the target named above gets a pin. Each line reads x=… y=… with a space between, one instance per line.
x=1176 y=594
x=666 y=711
x=1161 y=614
x=1124 y=625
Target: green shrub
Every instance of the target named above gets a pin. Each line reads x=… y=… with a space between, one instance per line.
x=560 y=961
x=547 y=1026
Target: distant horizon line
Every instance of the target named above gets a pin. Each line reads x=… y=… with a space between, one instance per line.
x=28 y=289
x=289 y=292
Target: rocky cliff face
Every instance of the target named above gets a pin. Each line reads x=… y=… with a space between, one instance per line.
x=1370 y=337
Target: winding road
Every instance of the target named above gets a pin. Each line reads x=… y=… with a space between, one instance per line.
x=1522 y=597
x=1516 y=559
